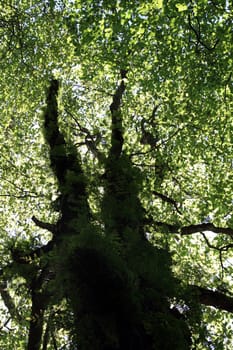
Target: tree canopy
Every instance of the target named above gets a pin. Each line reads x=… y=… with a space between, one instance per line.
x=116 y=174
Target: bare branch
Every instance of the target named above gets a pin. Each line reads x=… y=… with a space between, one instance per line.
x=197 y=32
x=211 y=246
x=44 y=225
x=91 y=140
x=168 y=200
x=214 y=298
x=5 y=324
x=192 y=229
x=189 y=230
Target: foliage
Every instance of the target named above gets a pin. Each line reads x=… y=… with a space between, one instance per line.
x=170 y=170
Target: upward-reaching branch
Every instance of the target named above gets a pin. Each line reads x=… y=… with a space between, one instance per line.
x=66 y=165
x=53 y=136
x=73 y=206
x=117 y=130
x=121 y=180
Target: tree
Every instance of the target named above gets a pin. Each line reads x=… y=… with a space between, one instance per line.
x=116 y=199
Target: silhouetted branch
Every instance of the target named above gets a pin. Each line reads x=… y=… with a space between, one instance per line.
x=66 y=165
x=191 y=229
x=197 y=31
x=168 y=200
x=39 y=303
x=44 y=225
x=214 y=298
x=117 y=131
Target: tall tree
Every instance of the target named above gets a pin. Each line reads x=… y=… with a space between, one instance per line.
x=116 y=185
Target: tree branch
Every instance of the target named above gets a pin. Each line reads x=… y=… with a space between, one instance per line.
x=8 y=301
x=214 y=298
x=168 y=200
x=117 y=131
x=66 y=165
x=54 y=138
x=198 y=34
x=91 y=140
x=40 y=300
x=44 y=225
x=191 y=229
